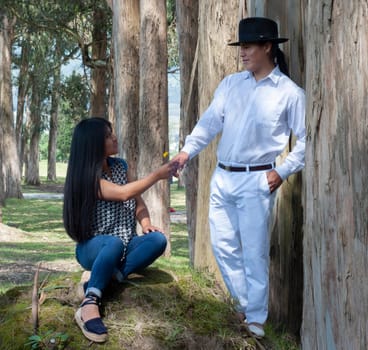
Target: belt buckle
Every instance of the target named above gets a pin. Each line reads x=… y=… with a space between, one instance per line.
x=227 y=167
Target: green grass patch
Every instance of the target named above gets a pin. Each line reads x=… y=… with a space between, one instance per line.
x=177 y=197
x=42 y=216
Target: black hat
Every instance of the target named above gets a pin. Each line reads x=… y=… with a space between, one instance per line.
x=258 y=29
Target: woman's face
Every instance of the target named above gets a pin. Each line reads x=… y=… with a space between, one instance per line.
x=111 y=143
x=255 y=56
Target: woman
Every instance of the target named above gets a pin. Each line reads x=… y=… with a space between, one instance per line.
x=255 y=110
x=101 y=206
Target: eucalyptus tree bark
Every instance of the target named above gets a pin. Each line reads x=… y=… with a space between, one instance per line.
x=9 y=166
x=153 y=111
x=187 y=28
x=99 y=77
x=21 y=97
x=218 y=25
x=126 y=24
x=336 y=231
x=2 y=183
x=32 y=173
x=55 y=97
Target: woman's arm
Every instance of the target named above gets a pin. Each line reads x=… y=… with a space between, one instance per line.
x=113 y=192
x=143 y=217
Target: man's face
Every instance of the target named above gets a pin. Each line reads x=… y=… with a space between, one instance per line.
x=255 y=55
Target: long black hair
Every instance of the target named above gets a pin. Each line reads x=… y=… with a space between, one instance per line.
x=87 y=153
x=279 y=58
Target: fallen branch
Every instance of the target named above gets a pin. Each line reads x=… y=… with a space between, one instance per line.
x=35 y=301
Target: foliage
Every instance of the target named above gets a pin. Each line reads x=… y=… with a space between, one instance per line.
x=172 y=37
x=53 y=32
x=172 y=46
x=40 y=24
x=74 y=107
x=48 y=340
x=171 y=11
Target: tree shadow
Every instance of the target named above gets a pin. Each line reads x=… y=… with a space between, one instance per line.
x=148 y=276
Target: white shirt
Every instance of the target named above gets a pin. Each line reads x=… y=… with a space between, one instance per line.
x=255 y=119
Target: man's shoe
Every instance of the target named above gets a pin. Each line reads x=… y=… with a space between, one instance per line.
x=256 y=330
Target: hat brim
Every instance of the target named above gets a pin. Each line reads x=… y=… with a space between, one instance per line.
x=275 y=40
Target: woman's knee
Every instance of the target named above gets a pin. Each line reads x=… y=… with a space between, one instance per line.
x=158 y=240
x=115 y=244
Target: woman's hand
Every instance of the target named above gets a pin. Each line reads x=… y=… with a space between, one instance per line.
x=150 y=228
x=167 y=170
x=180 y=159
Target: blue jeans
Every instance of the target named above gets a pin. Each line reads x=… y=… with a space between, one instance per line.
x=102 y=256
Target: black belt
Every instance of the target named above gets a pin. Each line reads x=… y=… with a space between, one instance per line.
x=249 y=168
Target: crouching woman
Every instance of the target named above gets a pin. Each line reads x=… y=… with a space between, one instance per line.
x=101 y=207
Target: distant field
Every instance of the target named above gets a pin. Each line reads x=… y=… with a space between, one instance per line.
x=60 y=169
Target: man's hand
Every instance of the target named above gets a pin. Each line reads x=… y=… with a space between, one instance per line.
x=180 y=159
x=274 y=180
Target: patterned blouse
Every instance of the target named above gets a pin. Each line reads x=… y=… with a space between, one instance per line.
x=113 y=217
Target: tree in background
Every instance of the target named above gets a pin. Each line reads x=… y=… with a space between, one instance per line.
x=126 y=24
x=22 y=63
x=71 y=25
x=9 y=170
x=217 y=26
x=187 y=29
x=54 y=109
x=74 y=106
x=153 y=107
x=99 y=64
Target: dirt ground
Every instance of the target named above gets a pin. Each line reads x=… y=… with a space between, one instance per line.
x=23 y=271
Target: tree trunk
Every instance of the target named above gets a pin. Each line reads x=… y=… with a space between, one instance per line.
x=98 y=77
x=218 y=25
x=153 y=111
x=187 y=28
x=9 y=166
x=32 y=176
x=336 y=231
x=126 y=24
x=21 y=98
x=111 y=94
x=55 y=96
x=2 y=182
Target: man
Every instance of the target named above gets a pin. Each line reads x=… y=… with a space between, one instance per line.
x=255 y=110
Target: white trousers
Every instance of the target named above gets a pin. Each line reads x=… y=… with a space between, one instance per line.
x=240 y=210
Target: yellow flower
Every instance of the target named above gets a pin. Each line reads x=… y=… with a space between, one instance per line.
x=165 y=154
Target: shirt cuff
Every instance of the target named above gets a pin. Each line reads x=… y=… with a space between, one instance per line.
x=283 y=171
x=188 y=149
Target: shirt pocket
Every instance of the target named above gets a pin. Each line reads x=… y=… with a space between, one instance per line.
x=269 y=113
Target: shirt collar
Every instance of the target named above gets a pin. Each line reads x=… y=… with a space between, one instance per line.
x=274 y=76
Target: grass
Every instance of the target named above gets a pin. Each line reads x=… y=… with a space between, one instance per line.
x=168 y=306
